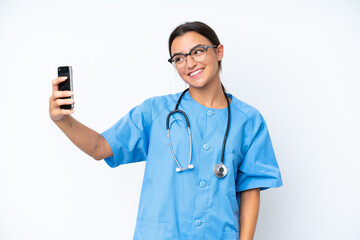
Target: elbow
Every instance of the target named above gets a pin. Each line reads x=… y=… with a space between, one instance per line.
x=97 y=158
x=96 y=154
x=100 y=155
x=101 y=149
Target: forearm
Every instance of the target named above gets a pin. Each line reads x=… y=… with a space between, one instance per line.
x=249 y=211
x=88 y=140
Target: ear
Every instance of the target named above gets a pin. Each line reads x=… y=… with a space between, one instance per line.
x=220 y=52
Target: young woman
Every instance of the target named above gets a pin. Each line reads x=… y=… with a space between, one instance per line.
x=206 y=162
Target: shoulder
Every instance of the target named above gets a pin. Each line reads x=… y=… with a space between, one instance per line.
x=240 y=107
x=160 y=103
x=163 y=100
x=254 y=122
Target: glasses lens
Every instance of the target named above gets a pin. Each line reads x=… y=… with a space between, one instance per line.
x=179 y=61
x=198 y=54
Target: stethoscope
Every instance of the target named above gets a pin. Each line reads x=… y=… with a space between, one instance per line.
x=220 y=169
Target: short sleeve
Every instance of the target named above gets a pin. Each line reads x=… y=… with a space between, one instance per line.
x=259 y=168
x=128 y=138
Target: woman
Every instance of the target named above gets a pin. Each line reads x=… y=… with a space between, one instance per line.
x=201 y=182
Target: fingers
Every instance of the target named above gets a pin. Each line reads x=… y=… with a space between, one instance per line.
x=56 y=81
x=56 y=113
x=62 y=94
x=59 y=102
x=59 y=98
x=55 y=104
x=56 y=93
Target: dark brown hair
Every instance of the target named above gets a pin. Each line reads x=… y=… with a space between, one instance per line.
x=197 y=27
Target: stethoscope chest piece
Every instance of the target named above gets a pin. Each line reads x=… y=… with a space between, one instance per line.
x=220 y=170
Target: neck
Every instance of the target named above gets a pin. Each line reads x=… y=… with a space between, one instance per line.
x=210 y=96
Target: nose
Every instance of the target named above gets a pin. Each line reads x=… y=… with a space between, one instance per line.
x=190 y=62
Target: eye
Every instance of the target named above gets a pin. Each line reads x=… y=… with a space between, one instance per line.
x=198 y=51
x=178 y=59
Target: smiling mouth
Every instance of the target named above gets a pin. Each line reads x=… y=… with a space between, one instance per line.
x=194 y=73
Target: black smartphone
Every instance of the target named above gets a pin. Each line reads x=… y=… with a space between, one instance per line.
x=67 y=85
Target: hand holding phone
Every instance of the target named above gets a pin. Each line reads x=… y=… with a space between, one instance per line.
x=61 y=102
x=67 y=85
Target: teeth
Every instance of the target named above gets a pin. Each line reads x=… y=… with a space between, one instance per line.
x=196 y=72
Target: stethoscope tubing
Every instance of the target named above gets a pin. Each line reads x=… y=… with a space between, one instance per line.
x=219 y=169
x=172 y=151
x=227 y=130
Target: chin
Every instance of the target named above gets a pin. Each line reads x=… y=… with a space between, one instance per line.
x=196 y=84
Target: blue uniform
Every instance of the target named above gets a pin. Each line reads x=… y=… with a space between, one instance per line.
x=194 y=204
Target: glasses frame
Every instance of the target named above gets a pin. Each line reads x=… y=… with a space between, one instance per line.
x=171 y=61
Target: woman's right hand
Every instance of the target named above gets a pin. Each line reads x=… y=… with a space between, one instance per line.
x=55 y=101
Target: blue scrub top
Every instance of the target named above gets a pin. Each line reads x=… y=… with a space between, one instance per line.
x=194 y=204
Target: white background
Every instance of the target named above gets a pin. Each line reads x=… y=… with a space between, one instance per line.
x=297 y=62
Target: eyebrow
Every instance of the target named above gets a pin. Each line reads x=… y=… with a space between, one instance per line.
x=180 y=53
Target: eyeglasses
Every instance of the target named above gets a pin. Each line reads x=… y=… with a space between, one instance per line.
x=197 y=53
